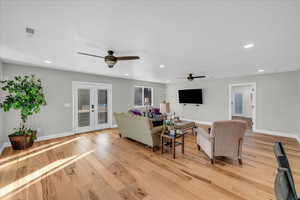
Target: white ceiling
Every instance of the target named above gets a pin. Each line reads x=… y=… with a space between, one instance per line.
x=186 y=36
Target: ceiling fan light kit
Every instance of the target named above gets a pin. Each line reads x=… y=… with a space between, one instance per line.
x=191 y=77
x=110 y=59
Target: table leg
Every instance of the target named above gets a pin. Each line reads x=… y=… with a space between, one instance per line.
x=173 y=146
x=162 y=144
x=182 y=148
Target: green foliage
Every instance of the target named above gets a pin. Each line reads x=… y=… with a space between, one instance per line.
x=23 y=131
x=169 y=123
x=25 y=94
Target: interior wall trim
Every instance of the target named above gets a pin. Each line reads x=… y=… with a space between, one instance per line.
x=47 y=137
x=2 y=148
x=258 y=131
x=41 y=138
x=198 y=122
x=278 y=133
x=114 y=126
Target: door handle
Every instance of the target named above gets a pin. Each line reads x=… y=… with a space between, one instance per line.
x=93 y=107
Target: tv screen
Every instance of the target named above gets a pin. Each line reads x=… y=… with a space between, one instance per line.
x=191 y=96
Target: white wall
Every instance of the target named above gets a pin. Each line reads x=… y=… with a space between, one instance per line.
x=276 y=103
x=55 y=118
x=2 y=136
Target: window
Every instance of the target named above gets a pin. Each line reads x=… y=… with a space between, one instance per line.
x=143 y=96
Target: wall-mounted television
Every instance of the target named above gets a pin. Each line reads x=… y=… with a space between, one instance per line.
x=190 y=96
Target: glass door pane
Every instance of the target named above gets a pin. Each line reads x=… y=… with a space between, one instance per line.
x=238 y=100
x=84 y=107
x=102 y=106
x=138 y=96
x=147 y=96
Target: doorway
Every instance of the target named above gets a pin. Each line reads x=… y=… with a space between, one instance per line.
x=242 y=103
x=92 y=106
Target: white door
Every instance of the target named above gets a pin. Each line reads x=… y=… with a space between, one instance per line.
x=241 y=103
x=102 y=108
x=92 y=106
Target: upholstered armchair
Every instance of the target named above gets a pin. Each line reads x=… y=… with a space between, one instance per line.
x=224 y=139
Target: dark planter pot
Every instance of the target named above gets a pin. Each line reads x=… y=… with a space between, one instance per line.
x=19 y=142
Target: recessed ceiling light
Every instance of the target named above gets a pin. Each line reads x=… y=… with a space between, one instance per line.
x=126 y=74
x=248 y=46
x=260 y=70
x=48 y=61
x=162 y=66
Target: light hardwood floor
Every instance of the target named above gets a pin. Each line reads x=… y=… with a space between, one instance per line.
x=101 y=165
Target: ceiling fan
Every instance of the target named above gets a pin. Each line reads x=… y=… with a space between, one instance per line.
x=110 y=59
x=191 y=77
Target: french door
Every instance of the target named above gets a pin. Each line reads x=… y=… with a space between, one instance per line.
x=92 y=108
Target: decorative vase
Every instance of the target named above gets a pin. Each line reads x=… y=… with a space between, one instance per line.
x=19 y=142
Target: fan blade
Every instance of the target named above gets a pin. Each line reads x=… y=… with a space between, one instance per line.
x=128 y=58
x=87 y=54
x=199 y=76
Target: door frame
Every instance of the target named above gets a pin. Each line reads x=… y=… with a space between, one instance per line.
x=252 y=84
x=93 y=85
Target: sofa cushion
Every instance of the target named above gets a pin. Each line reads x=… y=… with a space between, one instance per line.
x=156 y=111
x=157 y=123
x=136 y=112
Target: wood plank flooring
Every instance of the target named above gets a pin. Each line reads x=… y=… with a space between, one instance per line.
x=102 y=166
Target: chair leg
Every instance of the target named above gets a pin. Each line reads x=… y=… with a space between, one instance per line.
x=240 y=161
x=120 y=135
x=199 y=148
x=212 y=161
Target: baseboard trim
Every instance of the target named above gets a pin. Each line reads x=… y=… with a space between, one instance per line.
x=48 y=137
x=41 y=138
x=259 y=131
x=2 y=148
x=5 y=144
x=298 y=139
x=53 y=136
x=198 y=122
x=278 y=133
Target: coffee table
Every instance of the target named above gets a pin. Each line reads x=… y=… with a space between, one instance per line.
x=172 y=142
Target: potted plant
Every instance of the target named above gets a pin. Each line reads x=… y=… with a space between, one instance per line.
x=24 y=94
x=169 y=126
